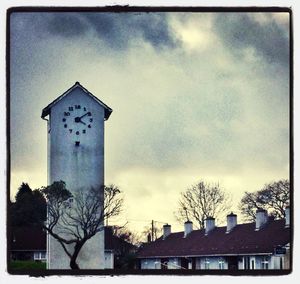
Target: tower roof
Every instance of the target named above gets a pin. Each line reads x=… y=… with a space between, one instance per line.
x=107 y=110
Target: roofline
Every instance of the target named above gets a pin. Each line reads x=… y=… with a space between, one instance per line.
x=47 y=110
x=218 y=255
x=12 y=250
x=225 y=226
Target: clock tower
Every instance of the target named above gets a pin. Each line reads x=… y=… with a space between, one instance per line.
x=76 y=155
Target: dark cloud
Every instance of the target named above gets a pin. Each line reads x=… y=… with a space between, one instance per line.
x=155 y=29
x=115 y=29
x=269 y=39
x=66 y=25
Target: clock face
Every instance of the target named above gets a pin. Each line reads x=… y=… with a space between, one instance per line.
x=77 y=120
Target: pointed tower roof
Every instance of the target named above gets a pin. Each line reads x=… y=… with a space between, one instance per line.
x=107 y=110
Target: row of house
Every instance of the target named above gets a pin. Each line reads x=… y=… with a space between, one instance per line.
x=263 y=244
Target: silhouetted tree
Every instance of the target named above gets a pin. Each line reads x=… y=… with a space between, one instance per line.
x=29 y=209
x=73 y=219
x=273 y=197
x=125 y=247
x=201 y=201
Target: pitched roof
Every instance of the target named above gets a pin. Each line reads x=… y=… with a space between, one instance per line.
x=47 y=109
x=243 y=239
x=34 y=238
x=28 y=238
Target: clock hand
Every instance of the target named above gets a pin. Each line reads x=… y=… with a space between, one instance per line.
x=84 y=115
x=82 y=122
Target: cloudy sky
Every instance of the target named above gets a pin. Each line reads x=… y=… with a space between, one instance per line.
x=194 y=96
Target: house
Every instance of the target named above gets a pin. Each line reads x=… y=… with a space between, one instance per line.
x=263 y=244
x=29 y=243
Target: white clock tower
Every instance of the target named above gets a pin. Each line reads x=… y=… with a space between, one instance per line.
x=76 y=156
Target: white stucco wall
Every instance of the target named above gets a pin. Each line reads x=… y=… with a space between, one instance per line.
x=109 y=259
x=81 y=167
x=214 y=262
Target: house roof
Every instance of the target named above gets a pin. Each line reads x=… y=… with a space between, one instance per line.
x=28 y=238
x=243 y=239
x=107 y=110
x=34 y=238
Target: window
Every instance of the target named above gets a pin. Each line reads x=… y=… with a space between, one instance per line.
x=221 y=263
x=265 y=262
x=39 y=256
x=206 y=263
x=190 y=263
x=156 y=265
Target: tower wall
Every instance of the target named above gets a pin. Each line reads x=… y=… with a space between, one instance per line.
x=80 y=167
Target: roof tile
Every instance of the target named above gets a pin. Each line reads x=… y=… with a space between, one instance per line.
x=241 y=240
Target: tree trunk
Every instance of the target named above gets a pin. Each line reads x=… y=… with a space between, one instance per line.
x=73 y=264
x=77 y=248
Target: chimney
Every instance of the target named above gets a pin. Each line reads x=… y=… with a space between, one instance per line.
x=188 y=227
x=209 y=224
x=231 y=222
x=261 y=218
x=287 y=216
x=149 y=238
x=166 y=230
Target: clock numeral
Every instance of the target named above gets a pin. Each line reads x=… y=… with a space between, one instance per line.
x=63 y=119
x=77 y=132
x=65 y=125
x=89 y=126
x=66 y=113
x=70 y=130
x=91 y=120
x=70 y=108
x=83 y=131
x=77 y=107
x=84 y=108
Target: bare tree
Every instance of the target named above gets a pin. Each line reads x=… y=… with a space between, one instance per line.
x=74 y=219
x=273 y=197
x=201 y=201
x=152 y=232
x=126 y=234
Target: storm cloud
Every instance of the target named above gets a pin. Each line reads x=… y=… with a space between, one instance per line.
x=194 y=95
x=117 y=30
x=270 y=39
